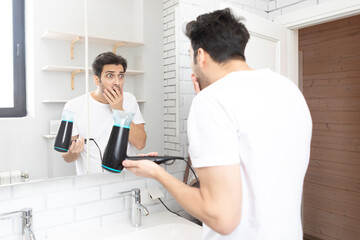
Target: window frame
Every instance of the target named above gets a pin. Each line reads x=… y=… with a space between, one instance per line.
x=19 y=72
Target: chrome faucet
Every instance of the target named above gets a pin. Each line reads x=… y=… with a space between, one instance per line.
x=136 y=206
x=26 y=226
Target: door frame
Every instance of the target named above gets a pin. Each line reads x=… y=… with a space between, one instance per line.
x=322 y=13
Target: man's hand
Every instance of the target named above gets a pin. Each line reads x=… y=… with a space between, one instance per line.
x=144 y=168
x=195 y=83
x=114 y=96
x=76 y=147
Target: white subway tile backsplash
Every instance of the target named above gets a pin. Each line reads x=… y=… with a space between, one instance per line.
x=36 y=203
x=112 y=190
x=5 y=192
x=42 y=187
x=284 y=3
x=53 y=218
x=129 y=175
x=100 y=208
x=68 y=198
x=98 y=179
x=153 y=183
x=6 y=227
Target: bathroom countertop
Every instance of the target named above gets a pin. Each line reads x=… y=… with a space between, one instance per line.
x=115 y=230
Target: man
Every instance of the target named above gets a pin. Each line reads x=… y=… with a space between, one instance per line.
x=249 y=140
x=109 y=74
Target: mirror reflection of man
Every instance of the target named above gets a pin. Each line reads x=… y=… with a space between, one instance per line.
x=109 y=75
x=249 y=140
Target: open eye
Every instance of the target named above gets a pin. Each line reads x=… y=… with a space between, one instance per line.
x=109 y=75
x=122 y=75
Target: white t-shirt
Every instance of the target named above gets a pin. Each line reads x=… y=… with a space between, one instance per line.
x=101 y=121
x=259 y=120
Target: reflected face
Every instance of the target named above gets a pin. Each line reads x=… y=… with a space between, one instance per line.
x=111 y=76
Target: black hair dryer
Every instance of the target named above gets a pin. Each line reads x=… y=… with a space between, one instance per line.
x=115 y=151
x=63 y=137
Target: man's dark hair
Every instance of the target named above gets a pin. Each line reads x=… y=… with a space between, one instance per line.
x=107 y=58
x=220 y=34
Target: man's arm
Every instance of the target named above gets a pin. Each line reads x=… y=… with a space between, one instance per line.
x=137 y=135
x=218 y=201
x=75 y=149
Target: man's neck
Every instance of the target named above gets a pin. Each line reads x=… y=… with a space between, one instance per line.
x=221 y=70
x=98 y=96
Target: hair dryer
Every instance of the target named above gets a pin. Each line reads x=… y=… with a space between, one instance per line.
x=63 y=137
x=115 y=151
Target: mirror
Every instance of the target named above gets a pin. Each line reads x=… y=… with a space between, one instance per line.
x=51 y=26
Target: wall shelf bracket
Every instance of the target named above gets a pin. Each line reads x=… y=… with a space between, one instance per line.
x=73 y=73
x=118 y=45
x=76 y=39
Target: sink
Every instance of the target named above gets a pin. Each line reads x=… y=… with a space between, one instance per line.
x=173 y=231
x=156 y=226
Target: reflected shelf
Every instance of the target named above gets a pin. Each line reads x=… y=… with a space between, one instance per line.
x=58 y=68
x=49 y=136
x=66 y=100
x=92 y=39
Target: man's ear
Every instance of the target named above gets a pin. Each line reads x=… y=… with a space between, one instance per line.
x=96 y=80
x=201 y=56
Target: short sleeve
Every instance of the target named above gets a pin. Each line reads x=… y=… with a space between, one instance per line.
x=213 y=139
x=131 y=105
x=69 y=106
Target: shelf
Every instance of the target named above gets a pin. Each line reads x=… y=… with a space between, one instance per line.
x=55 y=101
x=49 y=136
x=92 y=39
x=65 y=101
x=56 y=68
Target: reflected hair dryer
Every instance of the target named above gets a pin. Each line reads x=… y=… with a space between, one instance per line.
x=63 y=137
x=115 y=151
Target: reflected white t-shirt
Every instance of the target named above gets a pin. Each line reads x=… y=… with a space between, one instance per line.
x=101 y=121
x=259 y=121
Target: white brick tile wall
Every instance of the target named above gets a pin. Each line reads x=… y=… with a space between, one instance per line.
x=68 y=198
x=5 y=192
x=99 y=208
x=97 y=179
x=112 y=190
x=46 y=219
x=41 y=187
x=37 y=203
x=6 y=227
x=284 y=3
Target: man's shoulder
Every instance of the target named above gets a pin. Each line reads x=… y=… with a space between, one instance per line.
x=76 y=101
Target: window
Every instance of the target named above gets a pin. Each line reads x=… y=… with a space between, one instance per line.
x=12 y=61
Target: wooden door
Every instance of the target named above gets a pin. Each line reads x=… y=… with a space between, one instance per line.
x=331 y=85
